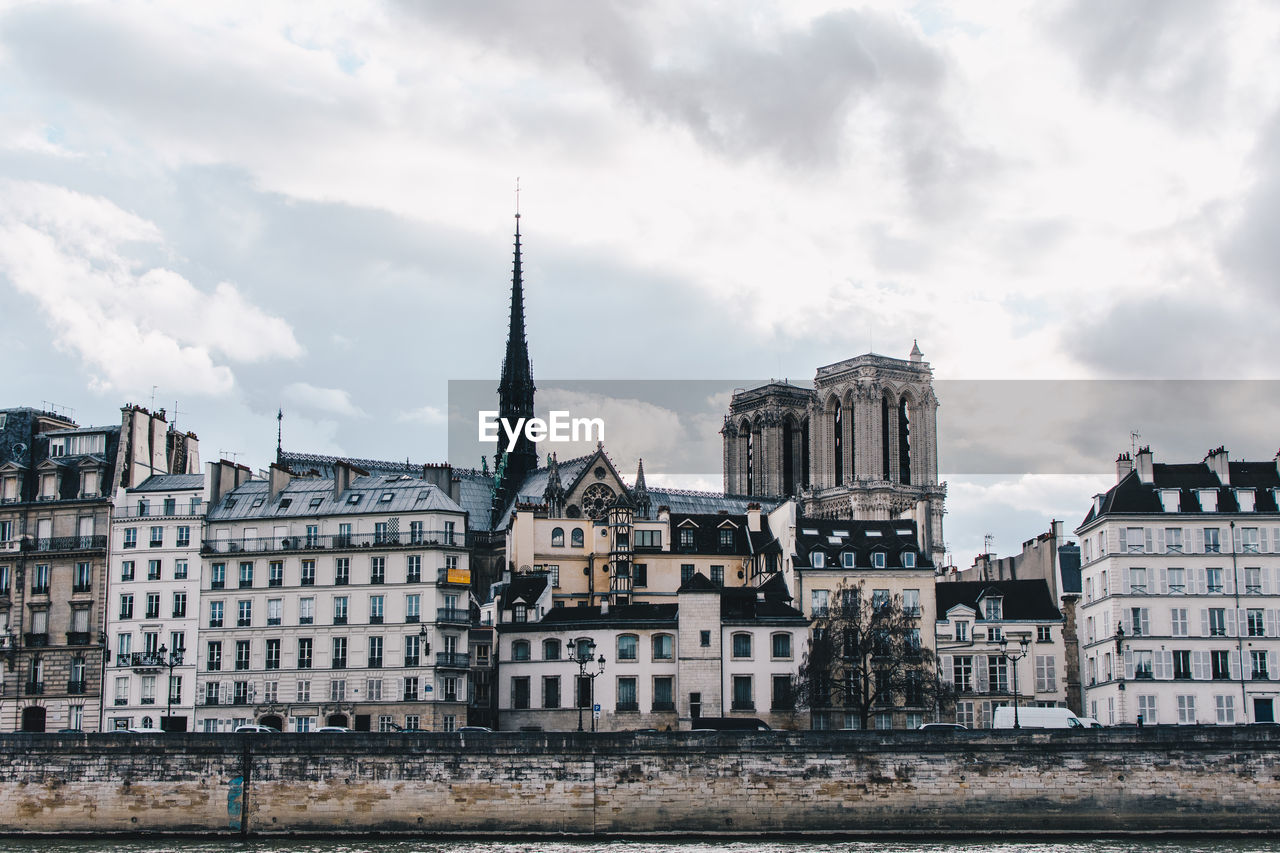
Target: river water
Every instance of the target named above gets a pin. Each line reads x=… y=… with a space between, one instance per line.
x=535 y=846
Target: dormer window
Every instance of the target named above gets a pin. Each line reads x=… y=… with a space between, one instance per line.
x=879 y=560
x=686 y=537
x=1170 y=499
x=962 y=632
x=908 y=559
x=846 y=559
x=817 y=559
x=520 y=613
x=993 y=607
x=89 y=483
x=1208 y=499
x=726 y=539
x=1244 y=497
x=48 y=486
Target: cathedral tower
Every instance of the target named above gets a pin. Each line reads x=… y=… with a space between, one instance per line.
x=515 y=399
x=861 y=444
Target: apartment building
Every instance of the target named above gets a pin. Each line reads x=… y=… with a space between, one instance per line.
x=712 y=651
x=998 y=641
x=1181 y=576
x=153 y=599
x=337 y=600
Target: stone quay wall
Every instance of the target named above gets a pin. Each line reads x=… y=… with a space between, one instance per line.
x=1157 y=779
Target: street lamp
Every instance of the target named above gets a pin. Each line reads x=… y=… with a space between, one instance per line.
x=580 y=653
x=1015 y=656
x=169 y=659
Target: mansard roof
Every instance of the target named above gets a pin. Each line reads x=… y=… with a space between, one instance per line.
x=706 y=528
x=834 y=537
x=1132 y=496
x=310 y=497
x=1029 y=600
x=170 y=483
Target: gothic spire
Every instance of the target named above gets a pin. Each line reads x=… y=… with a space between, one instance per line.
x=641 y=492
x=515 y=397
x=553 y=495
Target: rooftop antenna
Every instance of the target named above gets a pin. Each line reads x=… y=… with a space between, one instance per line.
x=153 y=397
x=1134 y=435
x=223 y=454
x=279 y=434
x=517 y=196
x=987 y=541
x=175 y=414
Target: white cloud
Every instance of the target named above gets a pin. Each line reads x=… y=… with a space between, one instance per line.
x=133 y=328
x=424 y=415
x=332 y=401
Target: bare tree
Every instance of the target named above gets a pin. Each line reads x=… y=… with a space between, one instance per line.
x=865 y=657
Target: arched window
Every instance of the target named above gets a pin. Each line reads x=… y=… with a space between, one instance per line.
x=575 y=537
x=781 y=646
x=557 y=538
x=628 y=646
x=742 y=645
x=662 y=647
x=520 y=650
x=551 y=650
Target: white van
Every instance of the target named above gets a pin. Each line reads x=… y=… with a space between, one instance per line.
x=1036 y=718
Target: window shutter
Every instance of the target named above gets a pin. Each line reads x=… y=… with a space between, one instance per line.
x=1270 y=617
x=1228 y=583
x=1199 y=540
x=1204 y=622
x=1231 y=621
x=1186 y=539
x=1235 y=666
x=944 y=665
x=1128 y=664
x=1200 y=665
x=1235 y=539
x=1262 y=540
x=1166 y=663
x=1160 y=540
x=1273 y=666
x=1163 y=575
x=980 y=673
x=1124 y=539
x=1146 y=622
x=1126 y=621
x=1202 y=582
x=1128 y=582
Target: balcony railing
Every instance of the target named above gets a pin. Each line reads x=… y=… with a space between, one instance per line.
x=453 y=616
x=743 y=705
x=140 y=660
x=338 y=542
x=82 y=587
x=628 y=707
x=664 y=706
x=33 y=688
x=78 y=638
x=35 y=640
x=411 y=660
x=64 y=543
x=455 y=660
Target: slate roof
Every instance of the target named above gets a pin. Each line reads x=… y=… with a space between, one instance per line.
x=618 y=615
x=687 y=501
x=745 y=604
x=706 y=534
x=309 y=497
x=1029 y=600
x=1133 y=496
x=894 y=537
x=525 y=589
x=323 y=465
x=475 y=495
x=170 y=483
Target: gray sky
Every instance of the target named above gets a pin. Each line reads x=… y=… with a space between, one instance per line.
x=306 y=205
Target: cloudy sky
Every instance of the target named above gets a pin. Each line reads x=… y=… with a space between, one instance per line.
x=236 y=207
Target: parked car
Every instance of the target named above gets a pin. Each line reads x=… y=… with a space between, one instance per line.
x=254 y=728
x=946 y=727
x=329 y=729
x=1090 y=723
x=473 y=729
x=729 y=724
x=1036 y=718
x=145 y=730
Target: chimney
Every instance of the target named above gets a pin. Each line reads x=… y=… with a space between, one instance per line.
x=753 y=517
x=277 y=478
x=343 y=473
x=1217 y=462
x=1124 y=464
x=223 y=477
x=1145 y=466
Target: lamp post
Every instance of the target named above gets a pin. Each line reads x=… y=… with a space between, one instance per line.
x=169 y=659
x=580 y=653
x=1015 y=656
